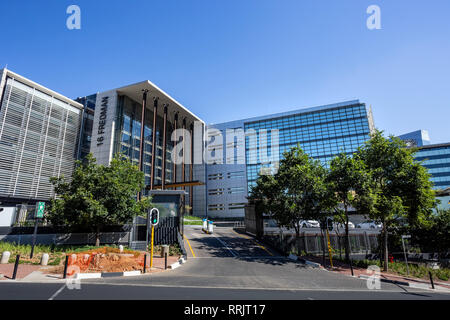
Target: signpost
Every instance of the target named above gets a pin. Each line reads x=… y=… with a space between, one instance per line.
x=39 y=214
x=154 y=219
x=404 y=251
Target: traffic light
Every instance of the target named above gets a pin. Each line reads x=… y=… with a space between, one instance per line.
x=154 y=216
x=330 y=224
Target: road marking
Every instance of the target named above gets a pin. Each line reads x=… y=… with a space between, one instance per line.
x=256 y=242
x=192 y=251
x=249 y=288
x=57 y=292
x=225 y=245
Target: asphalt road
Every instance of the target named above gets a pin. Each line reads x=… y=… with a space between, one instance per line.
x=224 y=265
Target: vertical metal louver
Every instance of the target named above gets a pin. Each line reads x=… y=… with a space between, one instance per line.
x=38 y=140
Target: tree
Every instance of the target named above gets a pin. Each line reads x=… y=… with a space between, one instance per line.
x=434 y=237
x=98 y=195
x=296 y=192
x=350 y=183
x=401 y=187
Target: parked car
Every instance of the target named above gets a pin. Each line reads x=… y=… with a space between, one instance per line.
x=309 y=224
x=341 y=226
x=369 y=225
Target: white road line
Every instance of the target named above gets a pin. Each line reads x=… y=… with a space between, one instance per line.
x=57 y=292
x=225 y=245
x=248 y=288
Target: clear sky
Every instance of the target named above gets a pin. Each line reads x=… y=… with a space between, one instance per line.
x=232 y=59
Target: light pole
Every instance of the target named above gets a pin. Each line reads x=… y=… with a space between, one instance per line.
x=404 y=251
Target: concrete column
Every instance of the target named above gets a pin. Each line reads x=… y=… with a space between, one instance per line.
x=141 y=145
x=155 y=112
x=183 y=167
x=163 y=174
x=174 y=156
x=191 y=170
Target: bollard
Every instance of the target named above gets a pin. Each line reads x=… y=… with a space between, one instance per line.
x=165 y=260
x=16 y=265
x=210 y=227
x=431 y=279
x=205 y=225
x=351 y=267
x=145 y=263
x=5 y=257
x=65 y=267
x=44 y=259
x=121 y=248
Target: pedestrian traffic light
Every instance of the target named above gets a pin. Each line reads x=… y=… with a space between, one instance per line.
x=154 y=216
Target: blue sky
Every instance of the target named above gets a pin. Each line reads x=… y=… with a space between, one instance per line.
x=227 y=60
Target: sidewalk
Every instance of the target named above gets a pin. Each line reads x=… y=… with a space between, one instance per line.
x=37 y=273
x=343 y=268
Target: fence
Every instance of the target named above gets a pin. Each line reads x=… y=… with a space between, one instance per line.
x=313 y=243
x=165 y=231
x=68 y=238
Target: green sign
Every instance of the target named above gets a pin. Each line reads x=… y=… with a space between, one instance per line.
x=40 y=206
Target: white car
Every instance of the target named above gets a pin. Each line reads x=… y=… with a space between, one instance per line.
x=309 y=224
x=370 y=225
x=341 y=226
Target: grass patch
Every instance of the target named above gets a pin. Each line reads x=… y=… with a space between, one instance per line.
x=415 y=270
x=192 y=220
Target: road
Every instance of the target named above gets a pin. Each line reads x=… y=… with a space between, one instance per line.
x=224 y=265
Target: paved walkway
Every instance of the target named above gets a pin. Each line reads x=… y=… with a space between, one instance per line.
x=28 y=272
x=23 y=270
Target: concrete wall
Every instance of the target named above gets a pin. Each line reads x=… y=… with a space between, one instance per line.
x=7 y=216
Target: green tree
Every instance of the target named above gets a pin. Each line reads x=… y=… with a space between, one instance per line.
x=350 y=183
x=296 y=192
x=98 y=195
x=402 y=190
x=435 y=236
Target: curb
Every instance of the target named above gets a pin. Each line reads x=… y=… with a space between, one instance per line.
x=403 y=283
x=178 y=263
x=293 y=257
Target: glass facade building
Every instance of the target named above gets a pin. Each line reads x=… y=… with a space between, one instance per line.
x=322 y=132
x=436 y=158
x=128 y=139
x=114 y=122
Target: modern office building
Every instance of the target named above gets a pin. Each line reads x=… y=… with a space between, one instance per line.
x=112 y=124
x=322 y=132
x=417 y=138
x=38 y=140
x=435 y=157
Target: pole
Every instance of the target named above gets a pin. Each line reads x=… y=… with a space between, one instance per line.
x=431 y=279
x=406 y=258
x=351 y=266
x=165 y=260
x=145 y=263
x=16 y=265
x=329 y=249
x=151 y=252
x=65 y=267
x=34 y=237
